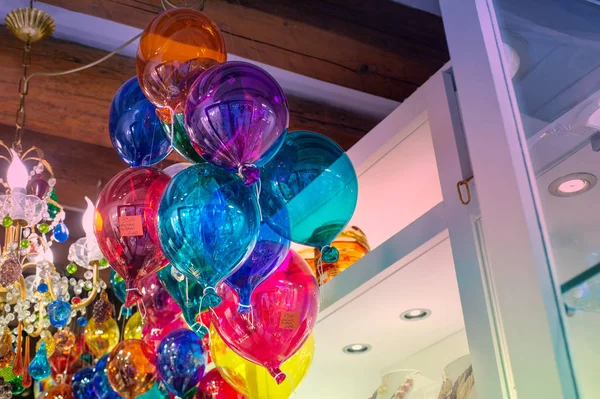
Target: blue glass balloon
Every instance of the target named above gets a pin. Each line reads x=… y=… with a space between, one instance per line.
x=135 y=130
x=188 y=295
x=208 y=223
x=312 y=182
x=100 y=382
x=61 y=232
x=81 y=384
x=270 y=250
x=180 y=361
x=39 y=368
x=59 y=313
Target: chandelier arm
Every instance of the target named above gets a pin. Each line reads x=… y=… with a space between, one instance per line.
x=83 y=67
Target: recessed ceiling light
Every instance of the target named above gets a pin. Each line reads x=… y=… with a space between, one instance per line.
x=572 y=184
x=356 y=349
x=415 y=314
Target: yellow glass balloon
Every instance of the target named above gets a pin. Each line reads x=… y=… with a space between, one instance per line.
x=101 y=338
x=254 y=381
x=133 y=328
x=129 y=369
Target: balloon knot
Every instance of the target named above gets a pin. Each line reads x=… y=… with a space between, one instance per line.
x=250 y=174
x=210 y=298
x=277 y=374
x=244 y=309
x=329 y=254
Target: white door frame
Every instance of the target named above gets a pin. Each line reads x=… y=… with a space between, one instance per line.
x=530 y=315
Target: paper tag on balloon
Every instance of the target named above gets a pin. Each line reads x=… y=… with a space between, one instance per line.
x=131 y=226
x=289 y=320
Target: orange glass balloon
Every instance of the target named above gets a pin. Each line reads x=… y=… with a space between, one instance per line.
x=61 y=391
x=352 y=244
x=130 y=368
x=175 y=48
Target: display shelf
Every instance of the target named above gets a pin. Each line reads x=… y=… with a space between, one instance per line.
x=377 y=264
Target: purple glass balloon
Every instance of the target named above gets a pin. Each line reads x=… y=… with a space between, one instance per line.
x=236 y=117
x=159 y=305
x=270 y=250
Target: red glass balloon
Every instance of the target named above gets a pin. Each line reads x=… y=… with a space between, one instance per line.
x=63 y=365
x=125 y=225
x=284 y=312
x=153 y=333
x=159 y=305
x=213 y=386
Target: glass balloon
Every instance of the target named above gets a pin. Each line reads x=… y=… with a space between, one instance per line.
x=118 y=285
x=175 y=48
x=81 y=384
x=130 y=368
x=208 y=224
x=254 y=381
x=268 y=253
x=64 y=365
x=125 y=225
x=101 y=338
x=157 y=303
x=236 y=115
x=135 y=130
x=180 y=361
x=188 y=295
x=154 y=333
x=283 y=315
x=180 y=140
x=61 y=391
x=100 y=381
x=133 y=327
x=213 y=386
x=312 y=181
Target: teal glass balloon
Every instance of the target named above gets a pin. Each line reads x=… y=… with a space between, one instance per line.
x=312 y=182
x=118 y=285
x=208 y=223
x=188 y=295
x=156 y=392
x=39 y=368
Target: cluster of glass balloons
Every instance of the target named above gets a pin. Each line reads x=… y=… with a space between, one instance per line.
x=215 y=233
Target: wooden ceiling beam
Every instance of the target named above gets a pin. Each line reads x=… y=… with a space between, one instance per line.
x=76 y=106
x=378 y=47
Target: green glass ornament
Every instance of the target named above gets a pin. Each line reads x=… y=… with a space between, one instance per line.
x=71 y=268
x=181 y=142
x=103 y=262
x=44 y=228
x=24 y=244
x=17 y=385
x=7 y=221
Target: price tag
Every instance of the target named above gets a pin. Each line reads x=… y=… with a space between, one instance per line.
x=289 y=320
x=131 y=226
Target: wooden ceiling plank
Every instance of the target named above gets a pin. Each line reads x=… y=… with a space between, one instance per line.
x=320 y=39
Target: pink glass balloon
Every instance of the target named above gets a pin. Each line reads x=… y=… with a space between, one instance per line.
x=159 y=305
x=153 y=333
x=125 y=225
x=284 y=312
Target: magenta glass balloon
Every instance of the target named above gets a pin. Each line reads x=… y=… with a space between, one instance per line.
x=236 y=116
x=283 y=314
x=125 y=225
x=153 y=333
x=159 y=305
